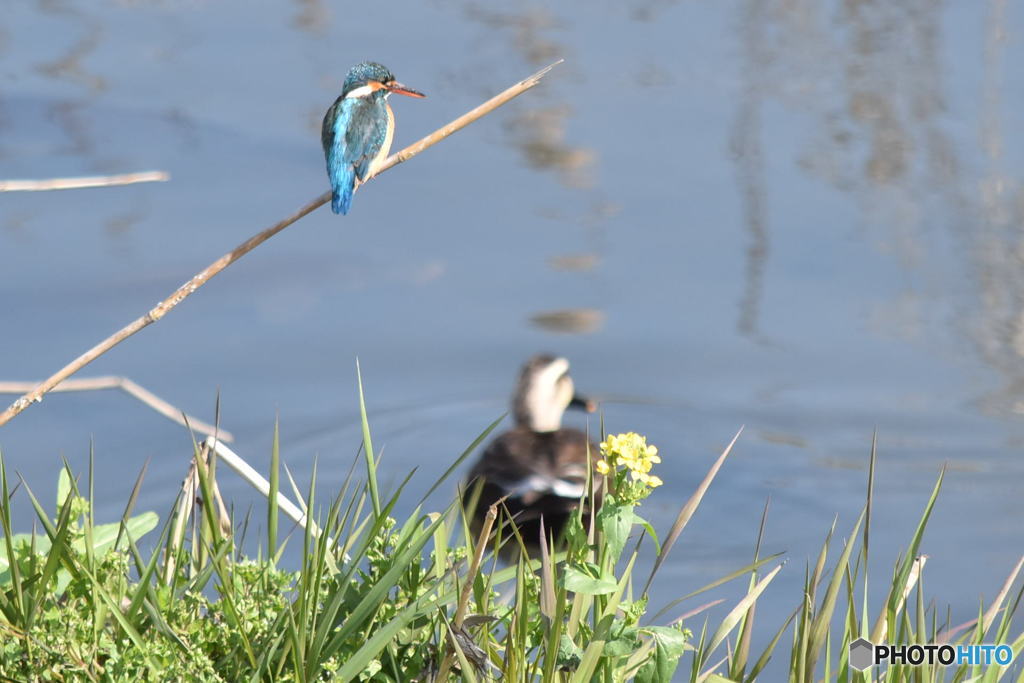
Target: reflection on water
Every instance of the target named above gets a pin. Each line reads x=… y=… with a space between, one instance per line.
x=880 y=134
x=876 y=137
x=873 y=88
x=68 y=116
x=312 y=16
x=569 y=321
x=653 y=76
x=529 y=28
x=538 y=128
x=4 y=123
x=998 y=251
x=14 y=225
x=746 y=148
x=121 y=224
x=787 y=439
x=575 y=262
x=184 y=126
x=648 y=10
x=69 y=66
x=539 y=133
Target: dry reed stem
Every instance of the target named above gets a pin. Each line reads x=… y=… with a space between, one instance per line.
x=189 y=496
x=182 y=512
x=84 y=182
x=198 y=280
x=205 y=461
x=467 y=586
x=132 y=389
x=695 y=611
x=993 y=610
x=258 y=482
x=478 y=557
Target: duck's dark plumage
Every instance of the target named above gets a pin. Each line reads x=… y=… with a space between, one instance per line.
x=540 y=474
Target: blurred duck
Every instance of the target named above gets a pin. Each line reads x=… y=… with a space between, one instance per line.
x=539 y=465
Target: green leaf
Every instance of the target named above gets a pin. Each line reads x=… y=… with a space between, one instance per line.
x=21 y=546
x=569 y=654
x=63 y=487
x=615 y=520
x=637 y=519
x=105 y=535
x=360 y=660
x=575 y=534
x=669 y=644
x=625 y=642
x=589 y=582
x=371 y=463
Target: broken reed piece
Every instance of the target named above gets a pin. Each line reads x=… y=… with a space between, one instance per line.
x=84 y=182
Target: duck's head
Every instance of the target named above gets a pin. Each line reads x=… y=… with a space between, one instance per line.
x=544 y=391
x=368 y=79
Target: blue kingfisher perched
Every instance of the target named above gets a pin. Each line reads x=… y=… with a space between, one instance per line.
x=358 y=129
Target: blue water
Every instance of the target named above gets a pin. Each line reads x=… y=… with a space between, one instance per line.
x=805 y=218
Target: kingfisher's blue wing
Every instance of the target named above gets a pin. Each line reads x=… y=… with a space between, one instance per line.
x=352 y=135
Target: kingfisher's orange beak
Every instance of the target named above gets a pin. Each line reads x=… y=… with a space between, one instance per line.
x=398 y=88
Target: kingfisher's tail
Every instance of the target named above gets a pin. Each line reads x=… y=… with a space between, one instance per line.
x=343 y=184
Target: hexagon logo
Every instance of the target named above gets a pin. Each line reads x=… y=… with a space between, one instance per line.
x=862 y=654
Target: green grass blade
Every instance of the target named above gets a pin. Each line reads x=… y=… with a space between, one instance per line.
x=823 y=618
x=275 y=486
x=371 y=464
x=687 y=511
x=733 y=618
x=465 y=454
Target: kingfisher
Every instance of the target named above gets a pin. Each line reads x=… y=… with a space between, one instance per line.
x=358 y=129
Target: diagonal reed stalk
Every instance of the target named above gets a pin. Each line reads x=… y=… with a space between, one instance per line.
x=467 y=588
x=201 y=278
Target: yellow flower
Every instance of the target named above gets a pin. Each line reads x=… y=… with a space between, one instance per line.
x=632 y=452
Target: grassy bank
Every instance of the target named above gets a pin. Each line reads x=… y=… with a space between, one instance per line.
x=425 y=597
